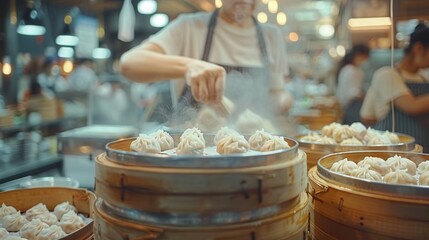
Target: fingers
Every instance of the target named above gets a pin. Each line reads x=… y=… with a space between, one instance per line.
x=220 y=86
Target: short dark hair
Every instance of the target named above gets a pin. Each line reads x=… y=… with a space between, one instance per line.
x=420 y=35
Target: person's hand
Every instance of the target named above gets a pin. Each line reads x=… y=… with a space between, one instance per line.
x=207 y=81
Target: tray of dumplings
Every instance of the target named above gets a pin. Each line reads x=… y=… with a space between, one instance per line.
x=46 y=214
x=389 y=172
x=193 y=149
x=337 y=137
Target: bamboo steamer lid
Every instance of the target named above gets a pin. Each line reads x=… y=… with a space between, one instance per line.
x=291 y=224
x=349 y=208
x=183 y=190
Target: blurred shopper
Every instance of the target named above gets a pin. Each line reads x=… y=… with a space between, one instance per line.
x=50 y=79
x=83 y=77
x=407 y=88
x=202 y=47
x=350 y=83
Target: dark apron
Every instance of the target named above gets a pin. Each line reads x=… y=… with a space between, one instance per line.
x=246 y=87
x=415 y=126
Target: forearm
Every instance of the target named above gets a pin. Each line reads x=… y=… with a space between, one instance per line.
x=413 y=105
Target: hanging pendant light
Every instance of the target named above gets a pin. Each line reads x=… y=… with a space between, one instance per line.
x=67 y=38
x=31 y=21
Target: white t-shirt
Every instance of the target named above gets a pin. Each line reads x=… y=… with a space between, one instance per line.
x=350 y=84
x=387 y=84
x=231 y=45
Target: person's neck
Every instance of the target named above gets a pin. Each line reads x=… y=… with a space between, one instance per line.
x=227 y=18
x=408 y=65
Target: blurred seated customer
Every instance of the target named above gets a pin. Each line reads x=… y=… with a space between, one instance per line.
x=407 y=88
x=50 y=78
x=350 y=80
x=36 y=101
x=83 y=77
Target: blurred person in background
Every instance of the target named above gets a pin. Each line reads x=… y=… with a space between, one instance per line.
x=407 y=88
x=197 y=50
x=83 y=77
x=350 y=83
x=50 y=78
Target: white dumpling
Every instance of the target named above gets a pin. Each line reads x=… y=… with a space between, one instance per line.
x=71 y=222
x=224 y=132
x=342 y=133
x=400 y=176
x=53 y=232
x=325 y=140
x=360 y=130
x=145 y=144
x=423 y=167
x=393 y=137
x=190 y=145
x=344 y=166
x=375 y=163
x=208 y=120
x=248 y=122
x=164 y=139
x=13 y=222
x=424 y=178
x=311 y=137
x=351 y=142
x=3 y=233
x=194 y=132
x=6 y=210
x=397 y=162
x=31 y=229
x=63 y=208
x=328 y=130
x=35 y=211
x=275 y=143
x=258 y=139
x=374 y=137
x=365 y=172
x=232 y=144
x=48 y=218
x=11 y=237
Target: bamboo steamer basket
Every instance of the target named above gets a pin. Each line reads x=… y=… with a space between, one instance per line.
x=204 y=187
x=83 y=200
x=345 y=207
x=290 y=225
x=315 y=151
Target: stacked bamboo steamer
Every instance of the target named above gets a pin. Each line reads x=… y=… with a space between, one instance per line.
x=344 y=207
x=47 y=107
x=200 y=197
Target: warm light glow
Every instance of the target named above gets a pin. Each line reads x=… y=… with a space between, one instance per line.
x=293 y=37
x=262 y=17
x=341 y=50
x=7 y=69
x=281 y=18
x=68 y=66
x=333 y=52
x=147 y=6
x=218 y=3
x=273 y=6
x=68 y=19
x=370 y=23
x=265 y=1
x=326 y=30
x=158 y=20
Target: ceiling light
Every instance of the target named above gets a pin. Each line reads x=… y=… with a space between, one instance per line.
x=333 y=52
x=68 y=66
x=65 y=52
x=293 y=37
x=265 y=1
x=101 y=53
x=159 y=20
x=369 y=23
x=341 y=50
x=66 y=38
x=218 y=3
x=281 y=18
x=326 y=30
x=31 y=23
x=147 y=6
x=262 y=17
x=273 y=6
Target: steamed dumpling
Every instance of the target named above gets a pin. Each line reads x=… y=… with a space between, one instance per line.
x=351 y=142
x=328 y=130
x=424 y=179
x=13 y=222
x=375 y=163
x=63 y=208
x=190 y=145
x=71 y=222
x=366 y=173
x=10 y=237
x=423 y=167
x=275 y=143
x=397 y=162
x=258 y=139
x=344 y=166
x=31 y=229
x=6 y=210
x=400 y=176
x=194 y=132
x=342 y=133
x=3 y=233
x=360 y=130
x=393 y=137
x=248 y=122
x=224 y=132
x=53 y=232
x=311 y=137
x=325 y=140
x=145 y=144
x=48 y=218
x=35 y=211
x=232 y=144
x=164 y=139
x=374 y=137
